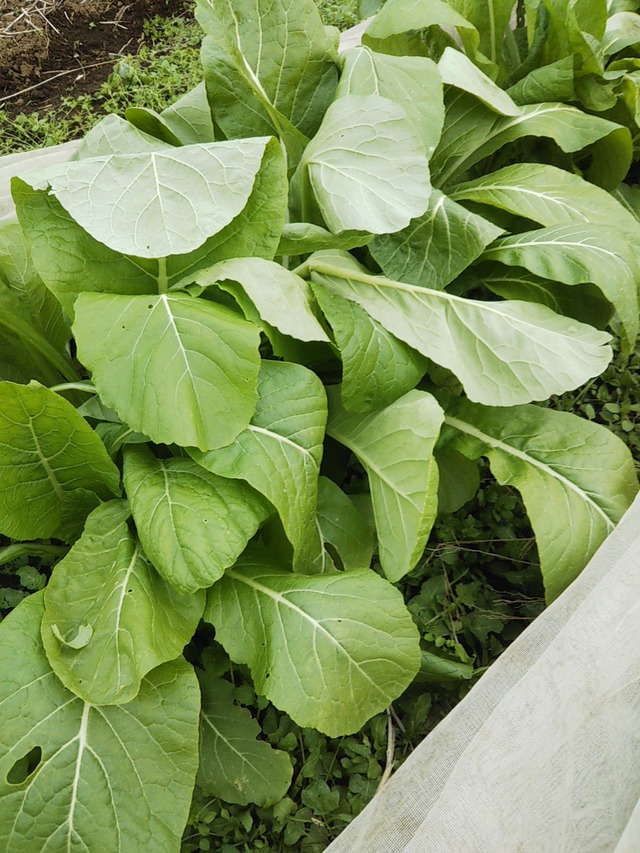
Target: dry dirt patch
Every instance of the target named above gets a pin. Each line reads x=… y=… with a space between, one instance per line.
x=66 y=46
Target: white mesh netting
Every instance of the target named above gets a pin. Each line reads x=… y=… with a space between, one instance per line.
x=543 y=755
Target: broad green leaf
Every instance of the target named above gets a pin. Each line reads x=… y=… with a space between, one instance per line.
x=576 y=478
x=137 y=620
x=283 y=53
x=191 y=523
x=70 y=261
x=377 y=368
x=503 y=353
x=622 y=30
x=48 y=452
x=186 y=122
x=109 y=778
x=458 y=70
x=554 y=82
x=280 y=297
x=180 y=370
x=579 y=254
x=114 y=135
x=411 y=81
x=395 y=447
x=158 y=203
x=302 y=238
x=37 y=305
x=549 y=196
x=437 y=246
x=279 y=453
x=472 y=132
x=367 y=166
x=459 y=480
x=190 y=117
x=234 y=764
x=397 y=16
x=240 y=108
x=491 y=18
x=343 y=526
x=583 y=302
x=330 y=650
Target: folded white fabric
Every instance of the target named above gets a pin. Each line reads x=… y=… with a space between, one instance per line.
x=543 y=755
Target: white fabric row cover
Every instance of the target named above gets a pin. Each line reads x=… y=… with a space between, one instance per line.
x=23 y=161
x=543 y=755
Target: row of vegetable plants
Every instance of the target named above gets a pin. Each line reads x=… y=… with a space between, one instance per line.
x=256 y=344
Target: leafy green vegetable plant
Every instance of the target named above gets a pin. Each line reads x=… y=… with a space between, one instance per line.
x=254 y=339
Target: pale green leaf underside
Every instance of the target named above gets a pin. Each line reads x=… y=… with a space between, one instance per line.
x=579 y=254
x=110 y=778
x=158 y=203
x=279 y=453
x=411 y=81
x=395 y=447
x=138 y=621
x=47 y=453
x=458 y=70
x=234 y=764
x=377 y=368
x=180 y=370
x=503 y=353
x=280 y=297
x=330 y=650
x=191 y=523
x=576 y=478
x=367 y=166
x=437 y=246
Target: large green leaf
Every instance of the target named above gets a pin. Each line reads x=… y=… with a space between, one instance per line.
x=367 y=166
x=185 y=122
x=491 y=18
x=504 y=353
x=398 y=16
x=109 y=617
x=472 y=132
x=579 y=254
x=576 y=478
x=343 y=526
x=107 y=778
x=411 y=81
x=280 y=297
x=279 y=453
x=70 y=261
x=437 y=246
x=158 y=203
x=302 y=238
x=48 y=453
x=234 y=764
x=35 y=304
x=178 y=369
x=192 y=524
x=395 y=447
x=114 y=135
x=281 y=51
x=549 y=196
x=377 y=368
x=330 y=650
x=458 y=70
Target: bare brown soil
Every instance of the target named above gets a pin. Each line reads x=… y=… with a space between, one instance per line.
x=52 y=48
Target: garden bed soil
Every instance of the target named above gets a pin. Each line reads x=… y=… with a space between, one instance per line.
x=50 y=49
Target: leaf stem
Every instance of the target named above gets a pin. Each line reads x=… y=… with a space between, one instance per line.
x=163 y=280
x=87 y=387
